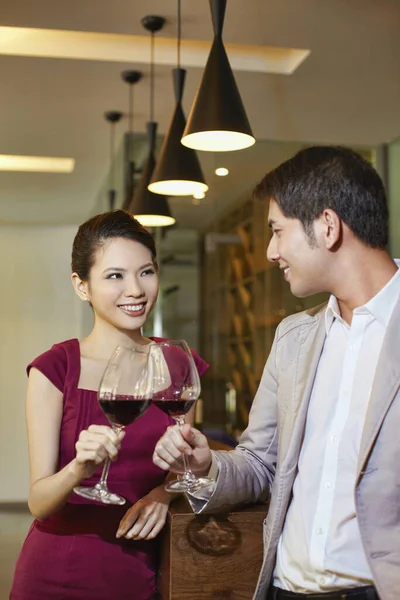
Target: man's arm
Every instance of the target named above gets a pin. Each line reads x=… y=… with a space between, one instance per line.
x=243 y=475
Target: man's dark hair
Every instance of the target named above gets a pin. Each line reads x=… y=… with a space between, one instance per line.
x=332 y=177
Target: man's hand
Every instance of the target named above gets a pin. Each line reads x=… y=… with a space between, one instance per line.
x=177 y=441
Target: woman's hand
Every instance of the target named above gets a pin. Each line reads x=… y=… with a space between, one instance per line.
x=93 y=447
x=145 y=519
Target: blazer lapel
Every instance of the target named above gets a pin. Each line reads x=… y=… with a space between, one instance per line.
x=309 y=353
x=386 y=384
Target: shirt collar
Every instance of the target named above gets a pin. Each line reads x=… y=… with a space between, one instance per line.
x=380 y=306
x=332 y=312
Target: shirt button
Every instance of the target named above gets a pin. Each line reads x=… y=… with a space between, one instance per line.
x=322 y=580
x=333 y=438
x=328 y=485
x=352 y=346
x=320 y=531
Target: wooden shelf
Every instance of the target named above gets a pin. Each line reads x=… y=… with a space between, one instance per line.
x=248 y=339
x=244 y=298
x=244 y=281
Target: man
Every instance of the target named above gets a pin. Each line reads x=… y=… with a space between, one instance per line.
x=323 y=435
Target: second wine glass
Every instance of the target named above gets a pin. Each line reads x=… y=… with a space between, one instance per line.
x=176 y=387
x=124 y=395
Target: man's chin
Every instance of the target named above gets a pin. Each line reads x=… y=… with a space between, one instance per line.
x=299 y=292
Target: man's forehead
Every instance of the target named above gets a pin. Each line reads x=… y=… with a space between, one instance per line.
x=274 y=212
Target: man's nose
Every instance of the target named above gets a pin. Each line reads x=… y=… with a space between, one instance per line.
x=272 y=251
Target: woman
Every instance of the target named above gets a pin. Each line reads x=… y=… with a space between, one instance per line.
x=76 y=549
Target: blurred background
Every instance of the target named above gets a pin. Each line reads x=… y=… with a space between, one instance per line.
x=308 y=72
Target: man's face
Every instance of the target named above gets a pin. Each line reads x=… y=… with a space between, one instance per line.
x=301 y=259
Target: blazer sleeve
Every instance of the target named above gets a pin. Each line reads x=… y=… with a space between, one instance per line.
x=246 y=473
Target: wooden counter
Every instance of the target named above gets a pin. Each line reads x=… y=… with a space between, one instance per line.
x=211 y=557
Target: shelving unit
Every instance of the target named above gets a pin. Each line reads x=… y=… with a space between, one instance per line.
x=243 y=299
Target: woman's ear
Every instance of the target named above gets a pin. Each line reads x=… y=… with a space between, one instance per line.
x=80 y=287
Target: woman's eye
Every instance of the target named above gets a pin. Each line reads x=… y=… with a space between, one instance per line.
x=148 y=272
x=114 y=276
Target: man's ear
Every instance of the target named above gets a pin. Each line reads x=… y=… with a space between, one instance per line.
x=333 y=228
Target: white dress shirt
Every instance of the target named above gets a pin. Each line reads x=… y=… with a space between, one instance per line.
x=320 y=549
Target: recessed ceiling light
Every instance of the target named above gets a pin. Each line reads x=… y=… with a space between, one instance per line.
x=222 y=172
x=39 y=164
x=88 y=45
x=199 y=195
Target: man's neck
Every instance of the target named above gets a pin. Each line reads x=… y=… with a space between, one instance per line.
x=363 y=278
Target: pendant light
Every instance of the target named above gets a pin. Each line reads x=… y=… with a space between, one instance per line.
x=131 y=78
x=178 y=171
x=217 y=121
x=150 y=209
x=112 y=117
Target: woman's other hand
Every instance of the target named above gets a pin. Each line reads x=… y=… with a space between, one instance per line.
x=145 y=519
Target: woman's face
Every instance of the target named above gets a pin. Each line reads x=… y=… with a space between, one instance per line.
x=123 y=284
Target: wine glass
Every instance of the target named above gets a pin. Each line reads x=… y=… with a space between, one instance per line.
x=176 y=387
x=124 y=395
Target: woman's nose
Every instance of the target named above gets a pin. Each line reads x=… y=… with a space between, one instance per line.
x=134 y=290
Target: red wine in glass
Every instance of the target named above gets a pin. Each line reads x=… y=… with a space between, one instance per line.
x=124 y=395
x=174 y=408
x=123 y=410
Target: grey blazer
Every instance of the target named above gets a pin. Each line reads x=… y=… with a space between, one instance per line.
x=266 y=459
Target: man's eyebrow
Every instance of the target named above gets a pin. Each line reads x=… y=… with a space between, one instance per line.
x=271 y=223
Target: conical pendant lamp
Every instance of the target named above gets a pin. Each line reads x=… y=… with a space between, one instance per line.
x=178 y=171
x=112 y=117
x=217 y=121
x=131 y=78
x=151 y=210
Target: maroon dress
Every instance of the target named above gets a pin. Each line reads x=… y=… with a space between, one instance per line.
x=74 y=554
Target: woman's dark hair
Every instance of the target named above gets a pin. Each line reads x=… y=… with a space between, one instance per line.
x=96 y=231
x=330 y=177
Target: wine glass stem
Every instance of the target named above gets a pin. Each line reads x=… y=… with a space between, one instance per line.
x=103 y=479
x=188 y=475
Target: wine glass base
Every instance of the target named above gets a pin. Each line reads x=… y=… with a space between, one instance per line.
x=180 y=485
x=100 y=495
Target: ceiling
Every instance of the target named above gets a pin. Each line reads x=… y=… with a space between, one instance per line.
x=347 y=91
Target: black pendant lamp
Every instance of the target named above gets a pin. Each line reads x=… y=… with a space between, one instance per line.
x=217 y=121
x=151 y=210
x=178 y=171
x=131 y=78
x=112 y=117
